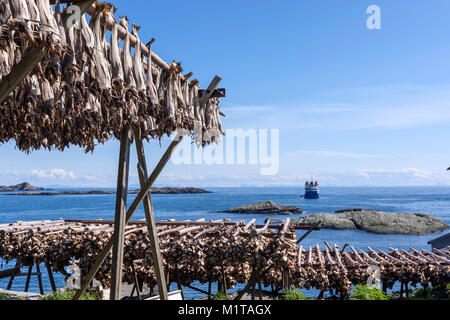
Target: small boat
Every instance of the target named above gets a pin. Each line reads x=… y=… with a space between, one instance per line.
x=312 y=190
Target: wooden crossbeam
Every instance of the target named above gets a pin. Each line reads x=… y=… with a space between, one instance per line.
x=217 y=93
x=191 y=223
x=10 y=272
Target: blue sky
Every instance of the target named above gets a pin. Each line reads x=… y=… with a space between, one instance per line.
x=354 y=106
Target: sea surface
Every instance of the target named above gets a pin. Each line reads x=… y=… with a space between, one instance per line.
x=431 y=200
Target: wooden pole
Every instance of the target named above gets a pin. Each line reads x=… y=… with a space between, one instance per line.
x=304 y=236
x=50 y=276
x=39 y=276
x=209 y=289
x=102 y=256
x=208 y=92
x=10 y=272
x=20 y=71
x=120 y=218
x=27 y=282
x=12 y=277
x=150 y=218
x=224 y=281
x=136 y=282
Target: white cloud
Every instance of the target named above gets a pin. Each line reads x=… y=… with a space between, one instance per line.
x=53 y=174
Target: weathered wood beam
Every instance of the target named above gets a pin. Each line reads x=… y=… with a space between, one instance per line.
x=208 y=92
x=120 y=218
x=10 y=272
x=20 y=71
x=305 y=235
x=39 y=276
x=150 y=217
x=50 y=276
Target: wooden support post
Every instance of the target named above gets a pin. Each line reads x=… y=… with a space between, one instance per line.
x=12 y=277
x=136 y=282
x=224 y=281
x=39 y=275
x=168 y=280
x=27 y=282
x=20 y=71
x=102 y=256
x=150 y=217
x=260 y=288
x=179 y=284
x=209 y=289
x=120 y=218
x=401 y=289
x=50 y=276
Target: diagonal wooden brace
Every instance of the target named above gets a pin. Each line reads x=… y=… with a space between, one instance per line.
x=32 y=57
x=208 y=92
x=141 y=195
x=150 y=218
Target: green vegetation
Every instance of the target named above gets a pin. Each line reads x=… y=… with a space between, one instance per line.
x=432 y=293
x=68 y=295
x=220 y=296
x=365 y=292
x=293 y=294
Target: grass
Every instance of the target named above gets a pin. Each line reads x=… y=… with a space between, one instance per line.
x=293 y=294
x=220 y=296
x=68 y=295
x=365 y=292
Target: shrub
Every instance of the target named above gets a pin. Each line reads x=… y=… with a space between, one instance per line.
x=365 y=292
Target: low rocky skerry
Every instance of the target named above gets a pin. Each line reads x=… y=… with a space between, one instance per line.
x=375 y=221
x=265 y=207
x=154 y=190
x=24 y=186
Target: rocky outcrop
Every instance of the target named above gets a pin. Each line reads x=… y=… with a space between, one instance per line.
x=376 y=221
x=25 y=186
x=153 y=190
x=265 y=207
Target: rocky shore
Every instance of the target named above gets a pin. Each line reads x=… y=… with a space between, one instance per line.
x=265 y=207
x=153 y=190
x=25 y=186
x=375 y=221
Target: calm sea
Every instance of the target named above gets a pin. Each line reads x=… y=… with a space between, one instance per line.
x=432 y=200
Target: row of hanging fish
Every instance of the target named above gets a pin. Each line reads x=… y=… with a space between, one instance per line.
x=87 y=89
